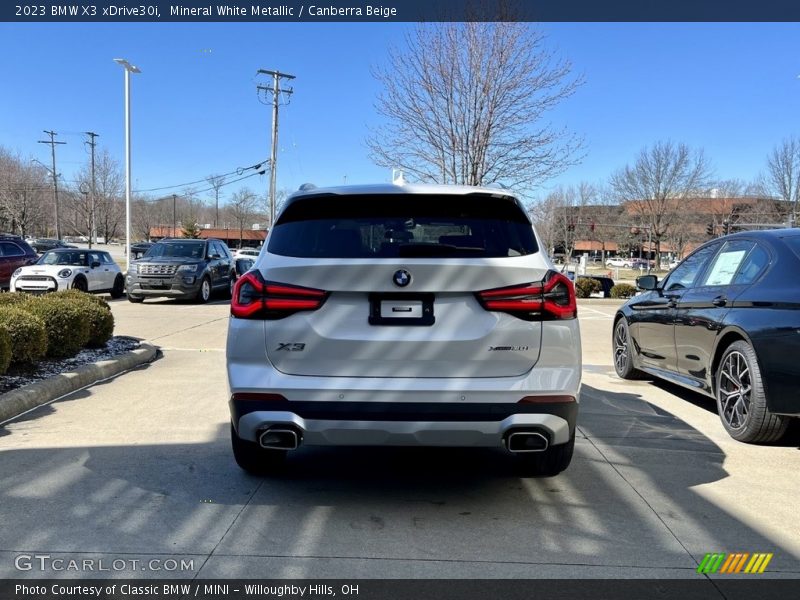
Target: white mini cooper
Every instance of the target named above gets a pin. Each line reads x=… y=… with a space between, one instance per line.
x=91 y=271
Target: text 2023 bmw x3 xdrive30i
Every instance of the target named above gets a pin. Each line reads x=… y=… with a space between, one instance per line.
x=405 y=316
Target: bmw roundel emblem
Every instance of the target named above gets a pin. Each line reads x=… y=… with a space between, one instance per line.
x=401 y=278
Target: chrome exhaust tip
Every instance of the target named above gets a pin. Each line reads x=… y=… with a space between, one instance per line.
x=526 y=441
x=279 y=439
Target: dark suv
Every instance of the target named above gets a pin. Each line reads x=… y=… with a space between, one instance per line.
x=45 y=244
x=14 y=253
x=181 y=268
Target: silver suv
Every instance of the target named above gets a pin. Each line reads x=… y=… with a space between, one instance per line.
x=406 y=316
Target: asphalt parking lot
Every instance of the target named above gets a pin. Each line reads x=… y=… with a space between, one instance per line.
x=139 y=468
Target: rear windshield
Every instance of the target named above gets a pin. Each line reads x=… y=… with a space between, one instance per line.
x=400 y=225
x=176 y=249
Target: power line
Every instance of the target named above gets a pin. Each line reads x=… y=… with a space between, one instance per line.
x=238 y=171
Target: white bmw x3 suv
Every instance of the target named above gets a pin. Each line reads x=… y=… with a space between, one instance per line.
x=411 y=315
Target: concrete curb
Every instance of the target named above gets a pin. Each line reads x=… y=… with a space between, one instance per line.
x=21 y=400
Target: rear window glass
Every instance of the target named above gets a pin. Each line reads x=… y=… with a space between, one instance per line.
x=400 y=225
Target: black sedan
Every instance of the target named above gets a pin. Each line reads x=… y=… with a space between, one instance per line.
x=724 y=322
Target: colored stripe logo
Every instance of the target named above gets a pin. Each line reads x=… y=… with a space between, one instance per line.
x=733 y=563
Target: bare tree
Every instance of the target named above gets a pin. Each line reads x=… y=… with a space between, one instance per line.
x=657 y=184
x=782 y=179
x=23 y=193
x=109 y=205
x=465 y=103
x=559 y=217
x=241 y=209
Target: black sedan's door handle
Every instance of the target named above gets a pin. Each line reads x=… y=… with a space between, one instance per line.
x=719 y=301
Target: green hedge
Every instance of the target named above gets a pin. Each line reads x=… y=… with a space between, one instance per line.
x=13 y=298
x=623 y=290
x=97 y=312
x=5 y=350
x=66 y=324
x=27 y=332
x=586 y=286
x=101 y=324
x=82 y=296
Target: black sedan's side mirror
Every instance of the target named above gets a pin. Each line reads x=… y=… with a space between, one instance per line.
x=647 y=282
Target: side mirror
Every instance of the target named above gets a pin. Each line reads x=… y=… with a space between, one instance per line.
x=214 y=256
x=95 y=264
x=647 y=282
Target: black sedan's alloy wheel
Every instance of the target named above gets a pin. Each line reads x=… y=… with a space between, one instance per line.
x=623 y=359
x=741 y=401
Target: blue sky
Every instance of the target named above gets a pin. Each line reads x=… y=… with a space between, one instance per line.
x=732 y=89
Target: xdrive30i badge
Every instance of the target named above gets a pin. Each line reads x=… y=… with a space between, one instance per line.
x=401 y=278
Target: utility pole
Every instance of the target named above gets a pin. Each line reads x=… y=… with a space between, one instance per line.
x=276 y=91
x=92 y=231
x=53 y=143
x=174 y=197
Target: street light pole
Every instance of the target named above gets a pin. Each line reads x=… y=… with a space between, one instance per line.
x=129 y=68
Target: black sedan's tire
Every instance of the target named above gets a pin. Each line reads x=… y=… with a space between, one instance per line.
x=741 y=399
x=119 y=287
x=623 y=352
x=253 y=458
x=548 y=463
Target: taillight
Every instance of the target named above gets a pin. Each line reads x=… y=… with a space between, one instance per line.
x=551 y=298
x=254 y=298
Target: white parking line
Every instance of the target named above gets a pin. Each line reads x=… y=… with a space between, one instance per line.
x=583 y=309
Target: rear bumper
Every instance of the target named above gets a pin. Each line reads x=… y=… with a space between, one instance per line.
x=404 y=424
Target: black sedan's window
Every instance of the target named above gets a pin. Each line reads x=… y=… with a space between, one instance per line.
x=752 y=267
x=727 y=263
x=685 y=273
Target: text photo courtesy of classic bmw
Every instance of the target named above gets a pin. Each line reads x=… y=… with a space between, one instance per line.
x=725 y=322
x=404 y=315
x=92 y=271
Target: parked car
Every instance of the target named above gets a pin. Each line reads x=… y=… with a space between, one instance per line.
x=247 y=252
x=243 y=265
x=45 y=244
x=14 y=253
x=91 y=271
x=619 y=262
x=181 y=268
x=724 y=322
x=139 y=249
x=606 y=283
x=408 y=315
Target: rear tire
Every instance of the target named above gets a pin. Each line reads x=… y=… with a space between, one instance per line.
x=549 y=463
x=135 y=299
x=231 y=284
x=119 y=287
x=741 y=399
x=253 y=458
x=622 y=349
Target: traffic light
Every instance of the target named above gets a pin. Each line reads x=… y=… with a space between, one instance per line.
x=710 y=229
